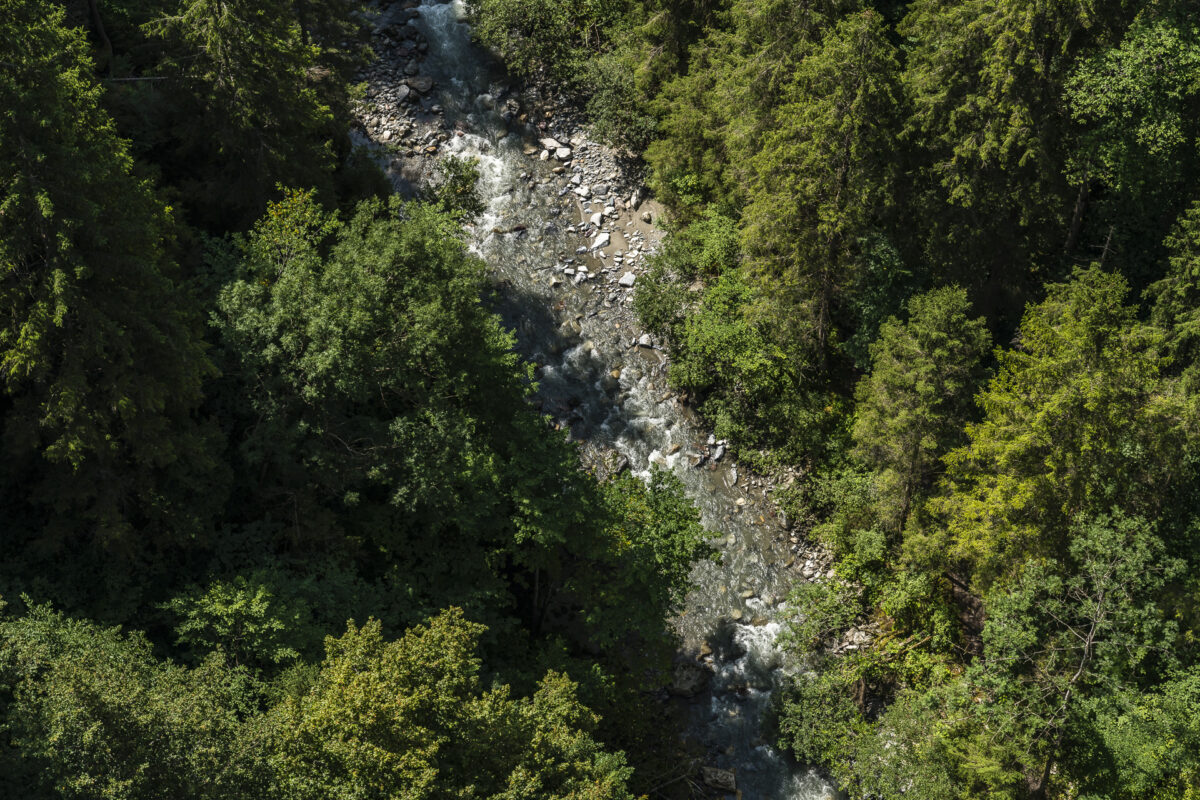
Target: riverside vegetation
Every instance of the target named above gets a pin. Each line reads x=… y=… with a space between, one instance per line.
x=938 y=261
x=278 y=518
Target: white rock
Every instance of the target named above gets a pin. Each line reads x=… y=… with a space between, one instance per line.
x=627 y=279
x=549 y=143
x=563 y=153
x=544 y=155
x=597 y=218
x=601 y=241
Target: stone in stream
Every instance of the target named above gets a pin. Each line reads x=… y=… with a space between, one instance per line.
x=549 y=143
x=645 y=341
x=627 y=280
x=723 y=780
x=421 y=84
x=563 y=153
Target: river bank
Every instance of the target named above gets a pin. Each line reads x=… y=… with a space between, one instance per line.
x=566 y=233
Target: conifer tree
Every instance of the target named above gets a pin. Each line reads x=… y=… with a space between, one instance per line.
x=101 y=362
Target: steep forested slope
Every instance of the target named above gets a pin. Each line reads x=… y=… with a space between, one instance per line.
x=278 y=520
x=868 y=197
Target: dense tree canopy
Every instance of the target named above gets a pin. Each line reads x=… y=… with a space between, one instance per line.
x=247 y=398
x=191 y=509
x=864 y=197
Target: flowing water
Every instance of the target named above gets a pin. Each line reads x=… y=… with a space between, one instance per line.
x=613 y=397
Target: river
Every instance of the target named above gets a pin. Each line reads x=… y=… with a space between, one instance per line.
x=612 y=395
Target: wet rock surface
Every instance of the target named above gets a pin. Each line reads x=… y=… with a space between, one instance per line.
x=566 y=233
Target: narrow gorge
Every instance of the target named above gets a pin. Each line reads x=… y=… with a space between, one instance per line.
x=565 y=233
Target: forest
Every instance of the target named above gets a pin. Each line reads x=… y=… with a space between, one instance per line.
x=279 y=521
x=938 y=262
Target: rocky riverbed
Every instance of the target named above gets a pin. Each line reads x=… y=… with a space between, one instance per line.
x=566 y=233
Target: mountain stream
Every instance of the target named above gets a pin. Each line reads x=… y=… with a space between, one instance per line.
x=562 y=244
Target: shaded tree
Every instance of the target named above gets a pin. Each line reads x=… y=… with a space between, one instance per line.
x=101 y=354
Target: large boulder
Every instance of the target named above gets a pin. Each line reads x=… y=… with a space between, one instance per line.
x=421 y=83
x=722 y=779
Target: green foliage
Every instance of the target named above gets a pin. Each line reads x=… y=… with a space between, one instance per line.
x=550 y=37
x=253 y=73
x=458 y=194
x=242 y=618
x=702 y=250
x=658 y=534
x=1177 y=295
x=1057 y=635
x=616 y=107
x=1135 y=107
x=819 y=613
x=90 y=713
x=1078 y=420
x=100 y=353
x=752 y=390
x=380 y=375
x=822 y=176
x=984 y=81
x=913 y=405
x=820 y=720
x=1144 y=744
x=414 y=716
